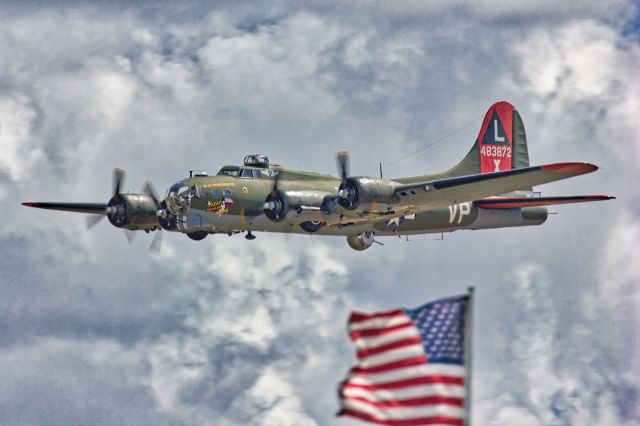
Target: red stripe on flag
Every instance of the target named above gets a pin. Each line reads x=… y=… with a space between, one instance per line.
x=370 y=332
x=424 y=380
x=436 y=420
x=403 y=363
x=363 y=316
x=409 y=341
x=412 y=402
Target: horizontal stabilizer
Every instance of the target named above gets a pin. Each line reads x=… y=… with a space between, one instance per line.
x=94 y=208
x=437 y=193
x=515 y=202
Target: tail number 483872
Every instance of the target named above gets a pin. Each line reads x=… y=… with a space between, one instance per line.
x=496 y=151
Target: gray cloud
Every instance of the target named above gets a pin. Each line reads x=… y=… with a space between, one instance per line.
x=227 y=332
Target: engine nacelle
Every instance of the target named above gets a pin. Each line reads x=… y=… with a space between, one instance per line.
x=363 y=192
x=133 y=211
x=296 y=206
x=361 y=241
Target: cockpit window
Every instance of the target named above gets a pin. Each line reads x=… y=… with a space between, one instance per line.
x=229 y=171
x=249 y=174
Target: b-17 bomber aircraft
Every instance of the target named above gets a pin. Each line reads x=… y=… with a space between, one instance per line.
x=492 y=187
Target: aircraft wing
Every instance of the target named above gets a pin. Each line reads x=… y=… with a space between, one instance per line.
x=93 y=208
x=515 y=202
x=422 y=196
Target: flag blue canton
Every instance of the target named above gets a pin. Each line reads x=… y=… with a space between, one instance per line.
x=441 y=327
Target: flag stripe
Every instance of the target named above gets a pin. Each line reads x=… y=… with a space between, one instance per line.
x=389 y=346
x=399 y=318
x=404 y=413
x=378 y=393
x=415 y=381
x=394 y=355
x=413 y=372
x=371 y=332
x=410 y=402
x=395 y=365
x=435 y=420
x=363 y=316
x=374 y=342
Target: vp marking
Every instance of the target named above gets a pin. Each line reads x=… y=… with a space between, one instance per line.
x=459 y=210
x=496 y=161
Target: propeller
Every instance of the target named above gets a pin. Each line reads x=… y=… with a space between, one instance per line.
x=118 y=180
x=161 y=212
x=347 y=192
x=131 y=235
x=274 y=203
x=148 y=189
x=93 y=220
x=116 y=210
x=156 y=243
x=112 y=208
x=342 y=158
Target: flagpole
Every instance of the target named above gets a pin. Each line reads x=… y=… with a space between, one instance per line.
x=468 y=352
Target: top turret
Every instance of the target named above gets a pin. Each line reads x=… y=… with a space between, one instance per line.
x=256 y=160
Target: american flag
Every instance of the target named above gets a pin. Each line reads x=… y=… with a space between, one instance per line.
x=410 y=368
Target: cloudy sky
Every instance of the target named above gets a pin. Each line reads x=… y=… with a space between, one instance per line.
x=229 y=332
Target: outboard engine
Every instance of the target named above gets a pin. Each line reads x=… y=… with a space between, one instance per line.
x=132 y=211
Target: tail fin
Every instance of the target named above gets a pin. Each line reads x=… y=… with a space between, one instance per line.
x=501 y=144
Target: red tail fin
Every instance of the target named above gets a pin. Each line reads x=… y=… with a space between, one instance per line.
x=501 y=144
x=495 y=140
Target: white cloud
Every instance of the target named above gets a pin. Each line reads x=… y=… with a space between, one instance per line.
x=223 y=330
x=20 y=153
x=251 y=308
x=275 y=71
x=278 y=397
x=57 y=380
x=553 y=366
x=581 y=78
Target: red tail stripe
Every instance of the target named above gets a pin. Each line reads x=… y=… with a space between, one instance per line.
x=410 y=402
x=573 y=168
x=409 y=341
x=371 y=332
x=363 y=316
x=417 y=381
x=409 y=362
x=435 y=420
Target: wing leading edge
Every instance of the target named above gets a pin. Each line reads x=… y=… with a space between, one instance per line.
x=94 y=208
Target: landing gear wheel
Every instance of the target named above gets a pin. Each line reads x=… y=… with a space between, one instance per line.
x=311 y=226
x=198 y=235
x=249 y=236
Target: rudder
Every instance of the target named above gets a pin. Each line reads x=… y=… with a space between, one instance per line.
x=501 y=143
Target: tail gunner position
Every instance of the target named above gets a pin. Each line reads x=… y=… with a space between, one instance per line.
x=492 y=187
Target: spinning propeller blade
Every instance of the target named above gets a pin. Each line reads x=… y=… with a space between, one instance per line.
x=118 y=180
x=347 y=194
x=156 y=244
x=131 y=235
x=342 y=158
x=148 y=189
x=93 y=220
